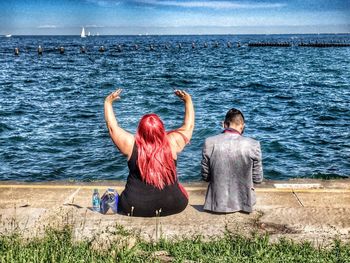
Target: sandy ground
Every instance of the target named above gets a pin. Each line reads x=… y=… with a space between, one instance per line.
x=312 y=210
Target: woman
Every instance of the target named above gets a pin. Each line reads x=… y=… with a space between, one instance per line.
x=152 y=187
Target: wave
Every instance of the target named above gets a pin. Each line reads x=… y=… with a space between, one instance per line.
x=5 y=127
x=327 y=118
x=260 y=87
x=327 y=176
x=283 y=97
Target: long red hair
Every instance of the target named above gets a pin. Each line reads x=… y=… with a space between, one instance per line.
x=155 y=159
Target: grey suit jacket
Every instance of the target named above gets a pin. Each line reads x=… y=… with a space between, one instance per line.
x=231 y=164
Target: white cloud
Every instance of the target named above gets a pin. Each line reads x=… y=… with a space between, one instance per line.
x=47 y=26
x=94 y=26
x=214 y=4
x=104 y=3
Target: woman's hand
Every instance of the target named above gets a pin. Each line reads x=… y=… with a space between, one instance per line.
x=183 y=95
x=183 y=134
x=113 y=96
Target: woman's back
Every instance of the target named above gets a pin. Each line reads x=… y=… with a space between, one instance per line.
x=142 y=199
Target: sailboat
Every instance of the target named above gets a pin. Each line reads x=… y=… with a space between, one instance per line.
x=89 y=34
x=82 y=33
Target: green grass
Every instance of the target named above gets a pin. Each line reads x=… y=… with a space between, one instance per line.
x=58 y=246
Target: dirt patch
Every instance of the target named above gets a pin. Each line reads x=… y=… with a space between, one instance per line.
x=272 y=228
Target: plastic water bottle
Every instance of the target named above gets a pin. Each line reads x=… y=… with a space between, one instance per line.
x=96 y=201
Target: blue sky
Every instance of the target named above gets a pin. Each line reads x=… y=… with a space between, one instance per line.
x=174 y=17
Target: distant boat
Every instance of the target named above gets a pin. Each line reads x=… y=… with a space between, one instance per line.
x=8 y=35
x=97 y=34
x=89 y=34
x=82 y=33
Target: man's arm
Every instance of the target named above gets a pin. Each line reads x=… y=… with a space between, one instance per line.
x=206 y=152
x=258 y=174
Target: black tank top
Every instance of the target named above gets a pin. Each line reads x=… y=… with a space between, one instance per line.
x=142 y=199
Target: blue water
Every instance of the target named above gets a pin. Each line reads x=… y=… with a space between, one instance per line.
x=296 y=102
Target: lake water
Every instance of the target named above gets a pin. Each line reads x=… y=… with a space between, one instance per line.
x=296 y=101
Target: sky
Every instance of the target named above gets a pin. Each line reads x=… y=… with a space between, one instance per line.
x=121 y=17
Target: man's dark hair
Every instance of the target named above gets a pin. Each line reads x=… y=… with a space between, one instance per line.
x=234 y=116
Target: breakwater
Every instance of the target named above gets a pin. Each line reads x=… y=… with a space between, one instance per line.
x=134 y=47
x=324 y=45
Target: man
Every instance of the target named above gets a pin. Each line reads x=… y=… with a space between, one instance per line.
x=231 y=164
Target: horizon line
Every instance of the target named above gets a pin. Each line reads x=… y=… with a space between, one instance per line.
x=184 y=34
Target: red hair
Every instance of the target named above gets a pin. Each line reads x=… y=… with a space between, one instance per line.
x=155 y=159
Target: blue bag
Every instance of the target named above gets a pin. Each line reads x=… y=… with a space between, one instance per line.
x=109 y=200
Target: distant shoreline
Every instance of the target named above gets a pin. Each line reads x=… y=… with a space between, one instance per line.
x=170 y=35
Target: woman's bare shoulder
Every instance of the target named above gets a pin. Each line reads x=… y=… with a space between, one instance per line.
x=178 y=140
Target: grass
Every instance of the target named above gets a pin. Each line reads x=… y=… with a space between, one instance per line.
x=59 y=246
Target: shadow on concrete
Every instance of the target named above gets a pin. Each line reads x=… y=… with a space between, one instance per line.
x=199 y=208
x=76 y=206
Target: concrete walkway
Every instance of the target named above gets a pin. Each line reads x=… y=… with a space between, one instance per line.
x=311 y=210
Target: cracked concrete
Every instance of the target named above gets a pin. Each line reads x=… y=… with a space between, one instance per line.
x=299 y=213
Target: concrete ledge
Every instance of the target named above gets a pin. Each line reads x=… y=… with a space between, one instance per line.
x=298 y=186
x=296 y=212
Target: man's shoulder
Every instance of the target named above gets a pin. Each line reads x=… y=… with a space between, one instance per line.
x=214 y=138
x=250 y=140
x=221 y=136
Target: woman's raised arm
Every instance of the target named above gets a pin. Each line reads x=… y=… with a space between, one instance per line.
x=121 y=138
x=181 y=136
